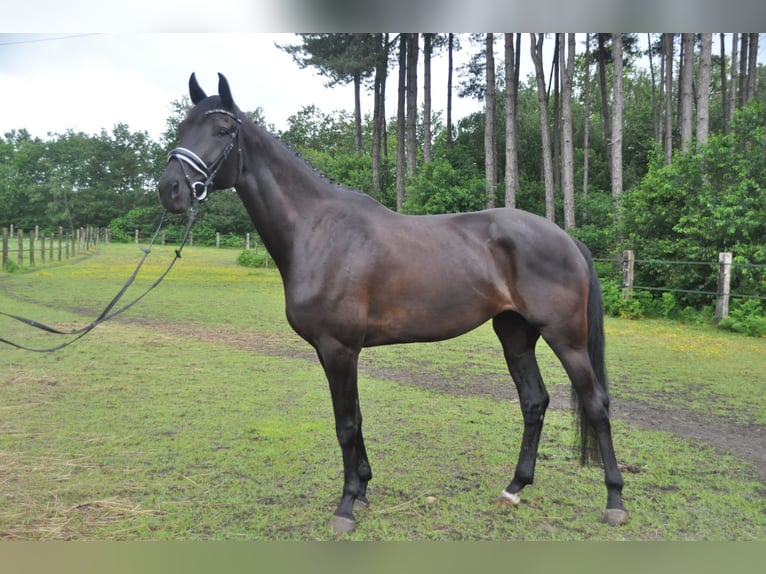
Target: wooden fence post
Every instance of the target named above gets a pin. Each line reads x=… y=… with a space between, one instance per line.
x=5 y=248
x=217 y=239
x=724 y=286
x=628 y=263
x=247 y=241
x=32 y=250
x=21 y=248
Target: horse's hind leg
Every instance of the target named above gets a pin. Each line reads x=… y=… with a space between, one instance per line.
x=518 y=338
x=594 y=399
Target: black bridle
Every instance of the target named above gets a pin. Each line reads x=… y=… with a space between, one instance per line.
x=187 y=157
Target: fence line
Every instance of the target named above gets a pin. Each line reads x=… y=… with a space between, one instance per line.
x=723 y=293
x=52 y=246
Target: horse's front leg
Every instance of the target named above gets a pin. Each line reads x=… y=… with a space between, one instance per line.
x=340 y=366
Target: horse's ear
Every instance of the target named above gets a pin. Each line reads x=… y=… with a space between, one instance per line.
x=225 y=92
x=196 y=93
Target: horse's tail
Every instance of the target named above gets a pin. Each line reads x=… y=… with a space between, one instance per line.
x=589 y=452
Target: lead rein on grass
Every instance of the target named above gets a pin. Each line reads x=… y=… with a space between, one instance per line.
x=107 y=313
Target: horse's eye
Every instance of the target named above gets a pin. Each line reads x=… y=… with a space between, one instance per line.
x=223 y=131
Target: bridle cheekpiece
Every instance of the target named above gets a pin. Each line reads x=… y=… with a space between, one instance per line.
x=186 y=157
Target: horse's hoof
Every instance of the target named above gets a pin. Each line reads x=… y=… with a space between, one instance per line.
x=361 y=504
x=616 y=516
x=341 y=524
x=508 y=499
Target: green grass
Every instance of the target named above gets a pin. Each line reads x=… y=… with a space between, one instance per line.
x=200 y=415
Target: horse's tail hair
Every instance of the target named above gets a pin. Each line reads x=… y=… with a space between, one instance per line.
x=588 y=439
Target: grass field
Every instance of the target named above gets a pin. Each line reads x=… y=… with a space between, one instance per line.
x=199 y=415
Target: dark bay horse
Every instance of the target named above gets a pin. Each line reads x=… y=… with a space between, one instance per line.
x=357 y=274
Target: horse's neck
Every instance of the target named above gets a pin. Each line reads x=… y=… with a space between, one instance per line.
x=279 y=191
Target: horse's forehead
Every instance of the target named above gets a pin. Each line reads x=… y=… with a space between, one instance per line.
x=205 y=105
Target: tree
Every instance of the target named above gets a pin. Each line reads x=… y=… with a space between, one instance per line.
x=686 y=81
x=733 y=88
x=379 y=112
x=567 y=144
x=536 y=48
x=617 y=108
x=703 y=88
x=490 y=147
x=668 y=54
x=342 y=58
x=586 y=119
x=511 y=96
x=752 y=66
x=412 y=102
x=450 y=63
x=602 y=57
x=401 y=157
x=427 y=52
x=704 y=202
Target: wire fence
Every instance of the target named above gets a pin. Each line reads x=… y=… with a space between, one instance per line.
x=662 y=275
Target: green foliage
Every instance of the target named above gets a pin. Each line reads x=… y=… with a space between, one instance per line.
x=746 y=316
x=143 y=219
x=250 y=258
x=440 y=188
x=699 y=205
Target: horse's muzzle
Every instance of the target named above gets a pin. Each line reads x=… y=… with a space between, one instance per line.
x=175 y=195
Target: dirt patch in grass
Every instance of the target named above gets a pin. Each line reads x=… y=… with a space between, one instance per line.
x=743 y=440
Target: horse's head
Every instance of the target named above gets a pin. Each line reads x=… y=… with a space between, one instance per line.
x=203 y=160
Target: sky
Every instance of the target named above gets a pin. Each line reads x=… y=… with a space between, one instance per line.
x=85 y=82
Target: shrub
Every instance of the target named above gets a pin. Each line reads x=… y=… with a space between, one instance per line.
x=746 y=317
x=249 y=258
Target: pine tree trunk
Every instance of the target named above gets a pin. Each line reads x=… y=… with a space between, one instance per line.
x=686 y=81
x=556 y=72
x=724 y=97
x=358 y=114
x=617 y=105
x=536 y=48
x=567 y=144
x=378 y=113
x=412 y=103
x=733 y=87
x=586 y=120
x=451 y=42
x=654 y=89
x=752 y=61
x=605 y=116
x=490 y=147
x=427 y=98
x=511 y=153
x=743 y=77
x=668 y=38
x=703 y=89
x=401 y=158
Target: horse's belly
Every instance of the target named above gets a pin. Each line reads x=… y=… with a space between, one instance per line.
x=434 y=313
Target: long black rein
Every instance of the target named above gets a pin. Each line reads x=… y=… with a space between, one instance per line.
x=199 y=193
x=107 y=313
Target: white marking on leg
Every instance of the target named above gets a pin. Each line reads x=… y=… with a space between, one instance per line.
x=514 y=499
